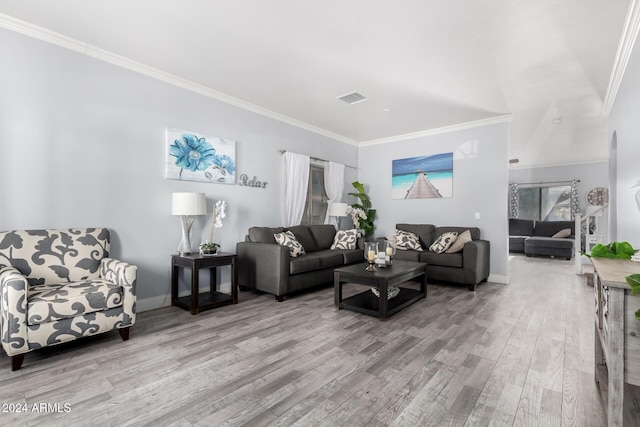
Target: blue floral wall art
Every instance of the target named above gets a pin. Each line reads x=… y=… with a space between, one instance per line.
x=195 y=157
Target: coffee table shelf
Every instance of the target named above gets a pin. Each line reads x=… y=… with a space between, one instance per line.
x=366 y=302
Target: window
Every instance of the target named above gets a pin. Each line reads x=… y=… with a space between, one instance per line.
x=315 y=207
x=551 y=203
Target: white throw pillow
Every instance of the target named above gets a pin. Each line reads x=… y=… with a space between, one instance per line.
x=406 y=240
x=443 y=242
x=461 y=240
x=345 y=239
x=287 y=238
x=565 y=232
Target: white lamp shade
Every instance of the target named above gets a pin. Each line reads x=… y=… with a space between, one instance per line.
x=338 y=209
x=188 y=204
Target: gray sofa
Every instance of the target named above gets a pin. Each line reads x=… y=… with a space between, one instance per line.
x=468 y=267
x=535 y=238
x=266 y=266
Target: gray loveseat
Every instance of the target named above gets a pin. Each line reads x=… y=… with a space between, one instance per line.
x=266 y=266
x=468 y=267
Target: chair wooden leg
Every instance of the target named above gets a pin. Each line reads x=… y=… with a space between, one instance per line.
x=16 y=361
x=124 y=333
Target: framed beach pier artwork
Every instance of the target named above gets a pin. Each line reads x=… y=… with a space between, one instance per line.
x=192 y=156
x=422 y=177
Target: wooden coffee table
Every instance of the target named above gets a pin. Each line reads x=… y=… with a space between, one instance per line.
x=366 y=302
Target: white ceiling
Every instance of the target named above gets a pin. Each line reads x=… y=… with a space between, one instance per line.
x=432 y=63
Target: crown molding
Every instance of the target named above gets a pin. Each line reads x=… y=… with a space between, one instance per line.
x=557 y=165
x=625 y=48
x=52 y=37
x=444 y=129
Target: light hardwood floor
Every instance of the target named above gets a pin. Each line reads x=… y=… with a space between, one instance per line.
x=514 y=355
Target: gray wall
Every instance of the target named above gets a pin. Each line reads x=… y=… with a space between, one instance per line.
x=591 y=175
x=480 y=183
x=624 y=122
x=82 y=143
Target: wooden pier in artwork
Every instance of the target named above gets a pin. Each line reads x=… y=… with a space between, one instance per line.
x=422 y=188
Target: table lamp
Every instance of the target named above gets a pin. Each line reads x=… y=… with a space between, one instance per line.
x=187 y=206
x=338 y=210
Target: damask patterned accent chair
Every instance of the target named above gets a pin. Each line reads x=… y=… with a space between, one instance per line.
x=60 y=285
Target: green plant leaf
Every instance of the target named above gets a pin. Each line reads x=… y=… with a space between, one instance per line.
x=633 y=280
x=638 y=315
x=358 y=186
x=616 y=250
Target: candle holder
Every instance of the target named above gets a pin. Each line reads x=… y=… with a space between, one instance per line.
x=390 y=252
x=370 y=254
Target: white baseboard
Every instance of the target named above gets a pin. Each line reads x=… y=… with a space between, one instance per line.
x=151 y=303
x=498 y=278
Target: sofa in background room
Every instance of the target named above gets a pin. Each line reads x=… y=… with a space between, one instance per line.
x=542 y=238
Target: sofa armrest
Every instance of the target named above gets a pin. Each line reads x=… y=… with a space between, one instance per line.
x=13 y=308
x=263 y=266
x=475 y=261
x=122 y=274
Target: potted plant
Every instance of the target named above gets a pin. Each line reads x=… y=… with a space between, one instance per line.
x=209 y=248
x=361 y=213
x=617 y=250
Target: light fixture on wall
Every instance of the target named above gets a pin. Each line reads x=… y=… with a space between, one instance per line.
x=338 y=210
x=187 y=206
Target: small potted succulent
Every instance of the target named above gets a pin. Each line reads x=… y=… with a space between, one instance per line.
x=209 y=248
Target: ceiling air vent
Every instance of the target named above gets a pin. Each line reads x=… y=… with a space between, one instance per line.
x=352 y=98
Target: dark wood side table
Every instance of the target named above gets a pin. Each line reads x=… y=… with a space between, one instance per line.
x=197 y=301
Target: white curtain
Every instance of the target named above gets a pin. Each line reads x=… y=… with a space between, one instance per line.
x=333 y=186
x=296 y=173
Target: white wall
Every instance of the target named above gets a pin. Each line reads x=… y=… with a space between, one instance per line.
x=480 y=184
x=82 y=143
x=624 y=122
x=591 y=175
